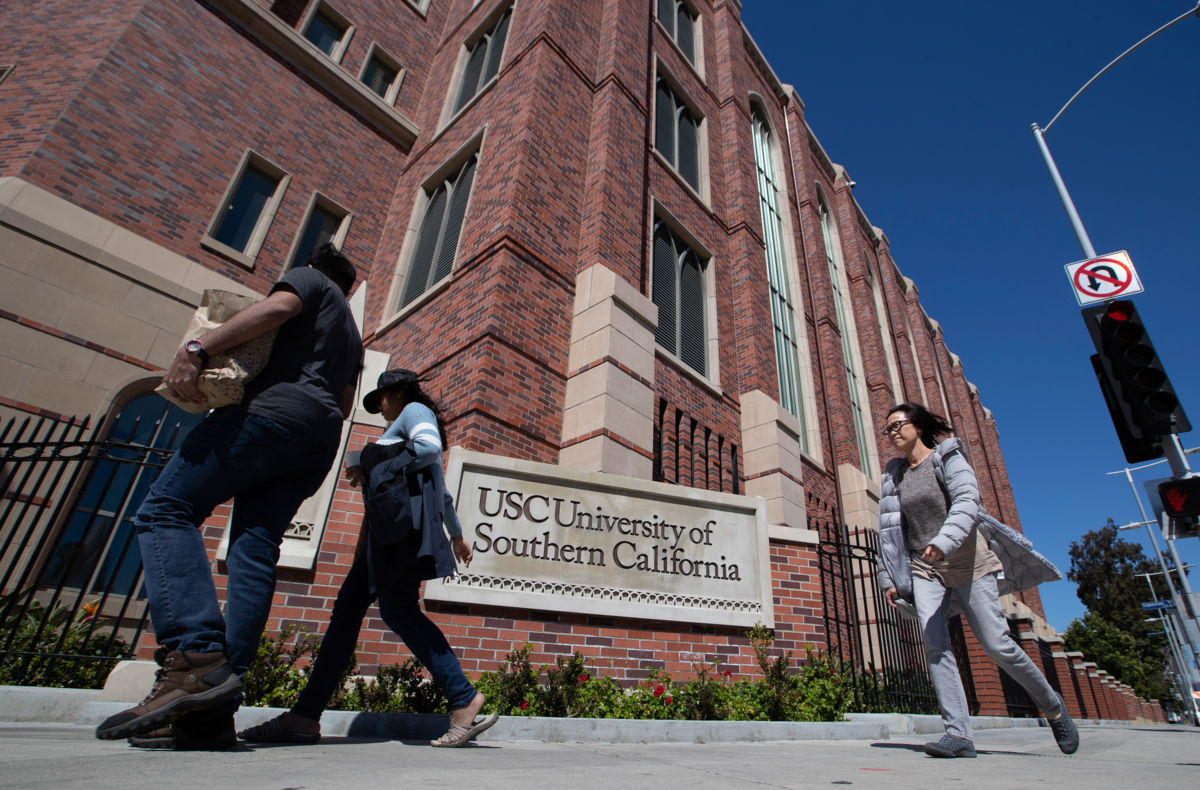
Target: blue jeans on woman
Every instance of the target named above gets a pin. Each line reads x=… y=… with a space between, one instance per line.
x=397 y=585
x=268 y=470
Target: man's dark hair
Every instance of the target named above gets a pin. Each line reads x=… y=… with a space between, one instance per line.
x=931 y=425
x=329 y=261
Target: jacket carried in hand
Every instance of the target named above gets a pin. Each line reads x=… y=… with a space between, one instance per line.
x=1023 y=566
x=399 y=499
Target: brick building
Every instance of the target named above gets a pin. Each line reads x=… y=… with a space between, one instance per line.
x=604 y=231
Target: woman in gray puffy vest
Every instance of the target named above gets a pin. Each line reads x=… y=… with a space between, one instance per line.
x=940 y=554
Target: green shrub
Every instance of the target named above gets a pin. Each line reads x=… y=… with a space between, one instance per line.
x=816 y=691
x=513 y=688
x=402 y=688
x=273 y=679
x=47 y=646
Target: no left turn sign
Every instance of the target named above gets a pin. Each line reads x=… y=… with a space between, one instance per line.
x=1103 y=278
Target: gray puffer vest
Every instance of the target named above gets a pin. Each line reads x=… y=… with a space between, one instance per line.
x=1023 y=566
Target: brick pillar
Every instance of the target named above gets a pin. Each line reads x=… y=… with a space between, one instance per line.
x=1083 y=691
x=1026 y=637
x=608 y=421
x=1066 y=678
x=989 y=690
x=1098 y=691
x=1133 y=707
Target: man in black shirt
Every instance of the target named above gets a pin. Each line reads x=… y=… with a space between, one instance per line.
x=269 y=453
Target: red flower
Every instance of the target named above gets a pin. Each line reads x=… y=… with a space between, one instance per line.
x=667 y=700
x=583 y=678
x=728 y=672
x=524 y=704
x=658 y=691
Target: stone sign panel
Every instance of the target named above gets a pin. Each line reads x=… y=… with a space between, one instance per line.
x=546 y=537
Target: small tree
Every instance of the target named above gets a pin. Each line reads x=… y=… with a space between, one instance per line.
x=1107 y=572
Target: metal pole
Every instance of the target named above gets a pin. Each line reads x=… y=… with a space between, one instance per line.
x=1184 y=624
x=1171 y=447
x=1063 y=195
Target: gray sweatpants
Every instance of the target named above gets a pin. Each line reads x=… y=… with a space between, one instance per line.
x=980 y=602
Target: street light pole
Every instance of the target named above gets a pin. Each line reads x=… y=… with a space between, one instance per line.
x=1171 y=446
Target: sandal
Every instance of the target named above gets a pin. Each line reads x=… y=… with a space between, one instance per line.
x=460 y=734
x=277 y=730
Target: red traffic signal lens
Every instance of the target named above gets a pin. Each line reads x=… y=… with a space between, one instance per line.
x=1119 y=311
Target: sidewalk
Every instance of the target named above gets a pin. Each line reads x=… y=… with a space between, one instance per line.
x=48 y=742
x=86 y=708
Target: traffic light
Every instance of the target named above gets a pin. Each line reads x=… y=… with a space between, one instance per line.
x=1140 y=399
x=1181 y=501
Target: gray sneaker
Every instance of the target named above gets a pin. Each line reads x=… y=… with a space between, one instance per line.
x=950 y=746
x=1065 y=733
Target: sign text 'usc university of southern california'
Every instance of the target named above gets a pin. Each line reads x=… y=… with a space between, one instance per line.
x=547 y=537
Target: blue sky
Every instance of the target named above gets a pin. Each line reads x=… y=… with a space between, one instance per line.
x=928 y=105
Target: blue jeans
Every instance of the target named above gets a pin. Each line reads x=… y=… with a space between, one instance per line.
x=397 y=584
x=980 y=602
x=268 y=471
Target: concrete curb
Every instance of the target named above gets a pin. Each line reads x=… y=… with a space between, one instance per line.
x=29 y=705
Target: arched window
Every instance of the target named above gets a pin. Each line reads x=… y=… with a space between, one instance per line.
x=841 y=303
x=783 y=321
x=96 y=551
x=678 y=289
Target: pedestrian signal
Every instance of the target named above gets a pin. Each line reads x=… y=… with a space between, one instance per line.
x=1180 y=497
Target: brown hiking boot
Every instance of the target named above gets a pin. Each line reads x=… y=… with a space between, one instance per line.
x=199 y=731
x=186 y=682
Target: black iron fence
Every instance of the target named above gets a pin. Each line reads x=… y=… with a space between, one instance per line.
x=71 y=598
x=882 y=649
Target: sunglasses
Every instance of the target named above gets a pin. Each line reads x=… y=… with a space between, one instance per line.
x=893 y=427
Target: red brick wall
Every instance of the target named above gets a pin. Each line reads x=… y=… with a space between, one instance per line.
x=144 y=119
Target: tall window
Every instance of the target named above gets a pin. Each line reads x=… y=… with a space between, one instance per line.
x=885 y=334
x=912 y=348
x=680 y=23
x=783 y=321
x=677 y=133
x=838 y=282
x=483 y=62
x=437 y=239
x=677 y=289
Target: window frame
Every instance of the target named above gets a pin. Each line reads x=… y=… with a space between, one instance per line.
x=843 y=305
x=318 y=201
x=682 y=101
x=710 y=377
x=486 y=27
x=339 y=51
x=671 y=34
x=453 y=165
x=803 y=389
x=393 y=90
x=246 y=257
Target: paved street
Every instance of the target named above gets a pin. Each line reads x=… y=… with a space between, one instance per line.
x=68 y=756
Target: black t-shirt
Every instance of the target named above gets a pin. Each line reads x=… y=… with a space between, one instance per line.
x=316 y=354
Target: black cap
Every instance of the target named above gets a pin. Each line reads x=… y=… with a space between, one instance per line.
x=388 y=380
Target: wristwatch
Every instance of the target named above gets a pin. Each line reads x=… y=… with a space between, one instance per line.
x=197 y=348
